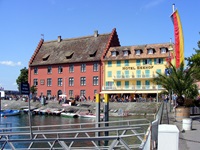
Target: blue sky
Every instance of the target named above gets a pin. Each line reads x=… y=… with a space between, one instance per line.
x=137 y=22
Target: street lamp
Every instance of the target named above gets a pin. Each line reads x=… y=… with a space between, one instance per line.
x=170 y=49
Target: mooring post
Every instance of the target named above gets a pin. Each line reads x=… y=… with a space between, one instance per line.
x=97 y=116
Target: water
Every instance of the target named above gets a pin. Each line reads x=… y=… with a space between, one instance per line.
x=39 y=120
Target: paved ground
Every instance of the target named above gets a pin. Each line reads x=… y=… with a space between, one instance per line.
x=190 y=139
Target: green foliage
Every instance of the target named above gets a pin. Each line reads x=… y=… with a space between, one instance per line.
x=23 y=77
x=33 y=89
x=180 y=81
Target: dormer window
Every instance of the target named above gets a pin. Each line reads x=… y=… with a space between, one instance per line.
x=163 y=50
x=69 y=55
x=137 y=52
x=126 y=52
x=113 y=53
x=93 y=54
x=45 y=57
x=150 y=51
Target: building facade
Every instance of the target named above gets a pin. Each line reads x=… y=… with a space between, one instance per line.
x=70 y=66
x=129 y=70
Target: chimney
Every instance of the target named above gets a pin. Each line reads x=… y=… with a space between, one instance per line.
x=96 y=33
x=59 y=39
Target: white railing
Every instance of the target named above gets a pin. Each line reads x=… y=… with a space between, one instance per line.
x=133 y=87
x=121 y=77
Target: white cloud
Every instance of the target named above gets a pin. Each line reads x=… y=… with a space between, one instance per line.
x=152 y=4
x=11 y=63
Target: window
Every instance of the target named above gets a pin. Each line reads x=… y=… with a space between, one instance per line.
x=118 y=84
x=138 y=73
x=147 y=84
x=109 y=63
x=125 y=53
x=150 y=51
x=147 y=62
x=126 y=62
x=35 y=82
x=83 y=81
x=95 y=80
x=82 y=92
x=71 y=93
x=71 y=81
x=83 y=67
x=163 y=50
x=137 y=52
x=159 y=71
x=109 y=85
x=49 y=69
x=49 y=82
x=138 y=62
x=35 y=70
x=95 y=67
x=113 y=53
x=60 y=69
x=126 y=73
x=95 y=92
x=158 y=61
x=138 y=84
x=147 y=73
x=126 y=84
x=49 y=94
x=71 y=68
x=118 y=63
x=119 y=75
x=109 y=73
x=59 y=81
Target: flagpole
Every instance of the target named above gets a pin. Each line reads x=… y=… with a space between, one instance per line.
x=173 y=8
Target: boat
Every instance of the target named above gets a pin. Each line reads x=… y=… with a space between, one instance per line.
x=70 y=114
x=9 y=112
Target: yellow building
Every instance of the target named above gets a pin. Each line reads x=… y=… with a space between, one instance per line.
x=129 y=70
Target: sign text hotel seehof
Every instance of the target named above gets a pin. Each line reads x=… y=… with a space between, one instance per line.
x=138 y=67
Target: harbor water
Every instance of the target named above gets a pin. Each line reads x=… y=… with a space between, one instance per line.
x=40 y=120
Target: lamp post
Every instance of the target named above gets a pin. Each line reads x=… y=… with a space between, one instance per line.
x=169 y=61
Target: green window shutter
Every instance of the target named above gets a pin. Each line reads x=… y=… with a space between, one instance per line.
x=126 y=62
x=118 y=83
x=118 y=63
x=119 y=74
x=138 y=62
x=155 y=61
x=143 y=62
x=150 y=61
x=109 y=63
x=138 y=73
x=161 y=60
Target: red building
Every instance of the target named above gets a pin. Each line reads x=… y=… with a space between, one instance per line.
x=70 y=66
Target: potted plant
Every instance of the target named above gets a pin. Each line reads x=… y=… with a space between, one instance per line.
x=181 y=82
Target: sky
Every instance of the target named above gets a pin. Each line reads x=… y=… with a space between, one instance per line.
x=136 y=21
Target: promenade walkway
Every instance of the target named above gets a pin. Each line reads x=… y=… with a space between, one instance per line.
x=190 y=139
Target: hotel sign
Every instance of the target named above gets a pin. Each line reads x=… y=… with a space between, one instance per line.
x=138 y=67
x=144 y=67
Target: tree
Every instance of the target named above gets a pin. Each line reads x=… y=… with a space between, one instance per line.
x=194 y=61
x=23 y=77
x=180 y=81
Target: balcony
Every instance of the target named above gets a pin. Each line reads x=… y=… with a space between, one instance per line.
x=133 y=77
x=133 y=87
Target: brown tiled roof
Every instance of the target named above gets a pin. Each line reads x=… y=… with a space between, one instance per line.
x=82 y=49
x=144 y=48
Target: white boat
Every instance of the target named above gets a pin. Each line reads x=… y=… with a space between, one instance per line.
x=90 y=115
x=69 y=114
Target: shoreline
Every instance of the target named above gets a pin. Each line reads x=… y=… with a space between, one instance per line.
x=133 y=108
